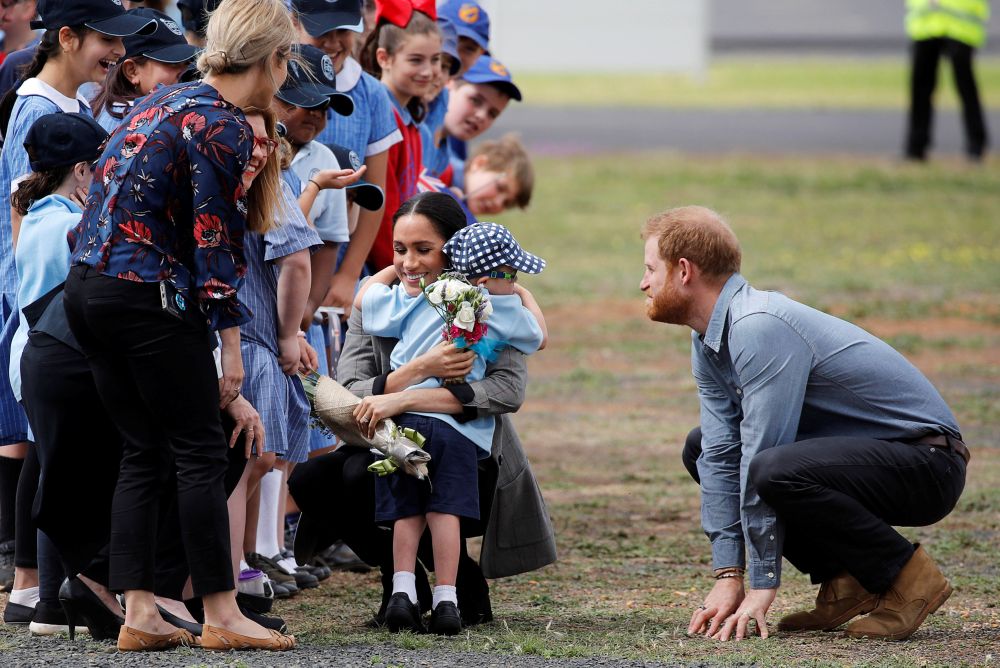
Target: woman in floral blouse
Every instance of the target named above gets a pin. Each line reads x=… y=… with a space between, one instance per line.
x=158 y=260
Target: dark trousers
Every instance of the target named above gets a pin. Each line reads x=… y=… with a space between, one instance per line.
x=337 y=491
x=79 y=451
x=840 y=497
x=157 y=380
x=923 y=80
x=25 y=529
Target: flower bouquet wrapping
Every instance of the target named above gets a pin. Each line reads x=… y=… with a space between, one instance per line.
x=333 y=405
x=464 y=308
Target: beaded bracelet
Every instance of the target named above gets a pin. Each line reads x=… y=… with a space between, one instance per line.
x=733 y=572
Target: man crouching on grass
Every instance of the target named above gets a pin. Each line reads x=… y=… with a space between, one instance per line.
x=816 y=438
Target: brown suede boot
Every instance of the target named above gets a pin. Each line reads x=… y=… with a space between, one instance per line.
x=838 y=600
x=918 y=590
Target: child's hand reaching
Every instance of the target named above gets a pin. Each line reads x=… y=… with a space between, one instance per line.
x=337 y=178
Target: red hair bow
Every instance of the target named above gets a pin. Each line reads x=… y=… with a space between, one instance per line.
x=398 y=12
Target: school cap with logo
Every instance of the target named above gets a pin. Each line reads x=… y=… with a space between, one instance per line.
x=165 y=45
x=309 y=90
x=107 y=17
x=367 y=195
x=57 y=140
x=489 y=70
x=449 y=43
x=319 y=17
x=470 y=20
x=480 y=248
x=194 y=14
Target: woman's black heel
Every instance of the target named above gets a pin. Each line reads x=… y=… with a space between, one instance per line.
x=81 y=604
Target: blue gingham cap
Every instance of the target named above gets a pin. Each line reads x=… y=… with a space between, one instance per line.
x=480 y=248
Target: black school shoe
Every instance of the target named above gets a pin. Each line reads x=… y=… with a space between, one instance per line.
x=445 y=620
x=16 y=614
x=50 y=620
x=403 y=615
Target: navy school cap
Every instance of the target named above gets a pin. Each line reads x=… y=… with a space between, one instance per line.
x=489 y=70
x=105 y=16
x=194 y=14
x=313 y=89
x=57 y=140
x=479 y=248
x=449 y=43
x=165 y=45
x=319 y=17
x=470 y=20
x=367 y=195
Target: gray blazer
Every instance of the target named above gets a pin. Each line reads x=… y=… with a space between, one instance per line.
x=519 y=536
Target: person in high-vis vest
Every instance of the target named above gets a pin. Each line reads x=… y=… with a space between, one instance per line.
x=955 y=28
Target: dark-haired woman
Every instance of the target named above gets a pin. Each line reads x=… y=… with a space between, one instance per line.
x=70 y=54
x=517 y=539
x=149 y=61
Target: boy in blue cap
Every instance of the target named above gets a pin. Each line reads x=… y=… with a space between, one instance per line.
x=472 y=24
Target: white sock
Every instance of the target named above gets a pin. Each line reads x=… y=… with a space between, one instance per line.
x=244 y=566
x=406 y=582
x=267 y=518
x=444 y=593
x=27 y=597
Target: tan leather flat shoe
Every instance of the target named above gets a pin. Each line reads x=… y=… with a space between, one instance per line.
x=214 y=638
x=134 y=640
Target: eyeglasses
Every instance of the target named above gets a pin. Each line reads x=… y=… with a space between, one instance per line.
x=266 y=143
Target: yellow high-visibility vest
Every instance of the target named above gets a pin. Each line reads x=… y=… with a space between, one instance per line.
x=962 y=20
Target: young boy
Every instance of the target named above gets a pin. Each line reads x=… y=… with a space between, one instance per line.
x=498 y=176
x=491 y=257
x=475 y=101
x=472 y=24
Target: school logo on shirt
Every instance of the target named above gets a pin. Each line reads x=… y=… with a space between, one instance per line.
x=468 y=13
x=171 y=26
x=499 y=69
x=355 y=160
x=327 y=65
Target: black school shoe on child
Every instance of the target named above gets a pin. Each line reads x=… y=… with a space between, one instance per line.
x=445 y=619
x=403 y=615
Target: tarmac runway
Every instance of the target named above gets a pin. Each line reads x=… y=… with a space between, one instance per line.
x=581 y=131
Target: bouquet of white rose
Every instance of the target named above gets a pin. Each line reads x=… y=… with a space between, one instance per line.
x=464 y=308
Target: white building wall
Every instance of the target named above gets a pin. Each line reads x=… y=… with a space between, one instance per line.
x=595 y=36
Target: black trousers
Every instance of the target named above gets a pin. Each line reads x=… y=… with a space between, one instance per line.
x=157 y=380
x=338 y=491
x=923 y=80
x=840 y=497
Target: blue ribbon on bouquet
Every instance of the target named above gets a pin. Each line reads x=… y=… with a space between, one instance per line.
x=487 y=348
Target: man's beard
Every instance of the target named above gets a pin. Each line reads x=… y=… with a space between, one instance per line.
x=668 y=306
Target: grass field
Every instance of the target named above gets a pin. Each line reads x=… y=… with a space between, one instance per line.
x=912 y=254
x=758 y=82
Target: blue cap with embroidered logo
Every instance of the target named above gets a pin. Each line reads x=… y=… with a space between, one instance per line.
x=449 y=43
x=107 y=17
x=480 y=248
x=367 y=195
x=470 y=20
x=319 y=17
x=309 y=90
x=489 y=70
x=166 y=44
x=57 y=140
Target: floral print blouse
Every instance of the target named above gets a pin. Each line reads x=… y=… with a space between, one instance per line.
x=167 y=201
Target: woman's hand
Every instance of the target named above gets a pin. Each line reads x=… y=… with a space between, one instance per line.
x=374 y=408
x=79 y=196
x=337 y=178
x=446 y=360
x=725 y=597
x=308 y=358
x=248 y=423
x=289 y=354
x=232 y=375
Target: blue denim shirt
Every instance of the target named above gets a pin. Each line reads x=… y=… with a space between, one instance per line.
x=771 y=371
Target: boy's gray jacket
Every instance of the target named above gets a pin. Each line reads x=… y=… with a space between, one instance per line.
x=519 y=536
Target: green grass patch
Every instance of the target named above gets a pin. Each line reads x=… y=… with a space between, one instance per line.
x=814 y=83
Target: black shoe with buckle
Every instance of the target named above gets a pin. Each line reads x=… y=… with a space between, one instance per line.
x=445 y=620
x=403 y=615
